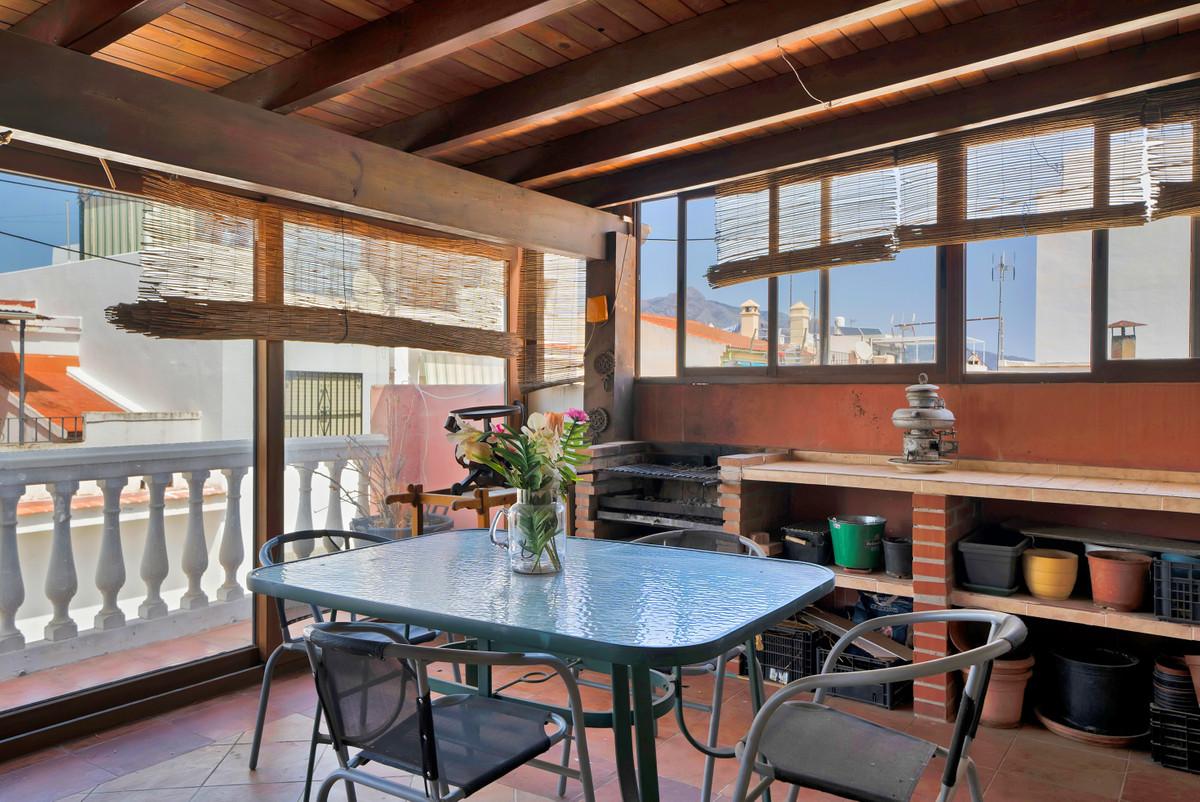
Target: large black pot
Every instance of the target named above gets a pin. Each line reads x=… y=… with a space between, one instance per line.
x=1099 y=690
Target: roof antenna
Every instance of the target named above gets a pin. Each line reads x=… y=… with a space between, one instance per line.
x=827 y=103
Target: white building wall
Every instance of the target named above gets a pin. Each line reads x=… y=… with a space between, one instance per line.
x=1148 y=282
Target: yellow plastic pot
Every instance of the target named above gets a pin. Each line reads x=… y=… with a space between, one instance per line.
x=1050 y=573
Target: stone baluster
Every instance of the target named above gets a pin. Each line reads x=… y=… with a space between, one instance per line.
x=333 y=512
x=195 y=546
x=61 y=580
x=233 y=551
x=12 y=586
x=110 y=566
x=155 y=564
x=304 y=521
x=363 y=466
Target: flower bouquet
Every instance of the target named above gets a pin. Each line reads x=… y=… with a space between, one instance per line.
x=539 y=461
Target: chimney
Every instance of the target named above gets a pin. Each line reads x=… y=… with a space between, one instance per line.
x=1124 y=339
x=799 y=318
x=750 y=316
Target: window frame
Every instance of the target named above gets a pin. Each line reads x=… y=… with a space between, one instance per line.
x=950 y=332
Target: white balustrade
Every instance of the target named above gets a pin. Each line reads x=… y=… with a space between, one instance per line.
x=12 y=587
x=333 y=510
x=155 y=470
x=304 y=518
x=232 y=550
x=155 y=562
x=110 y=568
x=195 y=546
x=61 y=582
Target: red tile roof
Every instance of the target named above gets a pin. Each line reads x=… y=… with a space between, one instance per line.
x=49 y=389
x=697 y=329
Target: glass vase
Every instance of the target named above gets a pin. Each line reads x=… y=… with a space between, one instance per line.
x=536 y=533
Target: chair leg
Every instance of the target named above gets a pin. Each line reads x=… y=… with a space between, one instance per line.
x=714 y=727
x=566 y=761
x=312 y=753
x=260 y=721
x=344 y=761
x=793 y=794
x=973 y=782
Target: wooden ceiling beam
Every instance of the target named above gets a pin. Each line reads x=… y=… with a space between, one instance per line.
x=53 y=97
x=982 y=43
x=1158 y=63
x=88 y=26
x=401 y=41
x=671 y=53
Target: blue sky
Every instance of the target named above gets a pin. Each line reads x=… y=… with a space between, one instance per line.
x=39 y=212
x=867 y=295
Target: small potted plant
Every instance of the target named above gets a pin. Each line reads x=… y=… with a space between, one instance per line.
x=539 y=461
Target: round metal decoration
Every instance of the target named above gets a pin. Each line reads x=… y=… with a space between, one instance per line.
x=605 y=363
x=599 y=419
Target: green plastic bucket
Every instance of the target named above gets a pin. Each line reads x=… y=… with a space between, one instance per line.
x=857 y=541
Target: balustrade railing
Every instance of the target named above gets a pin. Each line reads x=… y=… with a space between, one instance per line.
x=55 y=476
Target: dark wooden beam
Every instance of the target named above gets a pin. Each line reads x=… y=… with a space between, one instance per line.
x=1158 y=63
x=400 y=41
x=88 y=26
x=982 y=43
x=56 y=98
x=677 y=51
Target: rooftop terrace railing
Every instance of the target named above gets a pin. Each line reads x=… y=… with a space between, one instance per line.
x=49 y=482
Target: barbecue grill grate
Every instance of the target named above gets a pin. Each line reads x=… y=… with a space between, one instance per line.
x=708 y=475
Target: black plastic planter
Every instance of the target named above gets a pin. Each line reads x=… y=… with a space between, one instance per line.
x=808 y=542
x=1103 y=691
x=897 y=557
x=991 y=559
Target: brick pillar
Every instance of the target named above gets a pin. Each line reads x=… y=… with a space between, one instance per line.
x=602 y=455
x=938 y=523
x=752 y=509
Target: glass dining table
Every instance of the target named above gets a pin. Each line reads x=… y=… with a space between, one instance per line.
x=626 y=607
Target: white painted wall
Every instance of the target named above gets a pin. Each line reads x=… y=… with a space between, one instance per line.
x=1062 y=322
x=1148 y=282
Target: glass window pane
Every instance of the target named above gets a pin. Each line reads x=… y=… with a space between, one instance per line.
x=725 y=327
x=658 y=289
x=1031 y=174
x=1029 y=303
x=125 y=434
x=884 y=314
x=800 y=318
x=863 y=205
x=799 y=216
x=1149 y=290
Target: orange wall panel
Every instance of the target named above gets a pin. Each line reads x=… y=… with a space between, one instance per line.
x=1133 y=425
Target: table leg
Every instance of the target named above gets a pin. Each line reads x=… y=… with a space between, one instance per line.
x=643 y=722
x=484 y=672
x=757 y=694
x=622 y=740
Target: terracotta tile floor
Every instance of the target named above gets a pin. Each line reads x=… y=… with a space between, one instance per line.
x=200 y=754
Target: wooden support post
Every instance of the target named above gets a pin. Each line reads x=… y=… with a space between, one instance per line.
x=615 y=278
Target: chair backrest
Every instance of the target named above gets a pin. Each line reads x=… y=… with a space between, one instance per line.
x=705 y=540
x=271 y=553
x=370 y=696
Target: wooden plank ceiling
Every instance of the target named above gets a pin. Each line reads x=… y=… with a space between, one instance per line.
x=498 y=94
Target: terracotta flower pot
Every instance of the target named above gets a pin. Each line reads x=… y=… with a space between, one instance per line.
x=1004 y=701
x=1050 y=573
x=1119 y=579
x=1193 y=664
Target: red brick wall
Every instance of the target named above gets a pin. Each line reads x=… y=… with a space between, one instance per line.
x=1138 y=425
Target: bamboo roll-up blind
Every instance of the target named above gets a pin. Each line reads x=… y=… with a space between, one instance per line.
x=550 y=307
x=1120 y=162
x=342 y=280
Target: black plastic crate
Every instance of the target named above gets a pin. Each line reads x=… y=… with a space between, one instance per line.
x=889 y=695
x=1177 y=591
x=1175 y=739
x=787 y=652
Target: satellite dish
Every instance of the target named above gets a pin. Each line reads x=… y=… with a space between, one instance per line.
x=863 y=351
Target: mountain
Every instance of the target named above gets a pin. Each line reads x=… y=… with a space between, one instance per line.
x=700 y=308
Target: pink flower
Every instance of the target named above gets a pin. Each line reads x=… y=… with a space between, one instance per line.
x=577 y=415
x=500 y=428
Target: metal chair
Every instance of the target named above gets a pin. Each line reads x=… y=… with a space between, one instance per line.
x=812 y=745
x=271 y=553
x=374 y=691
x=705 y=540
